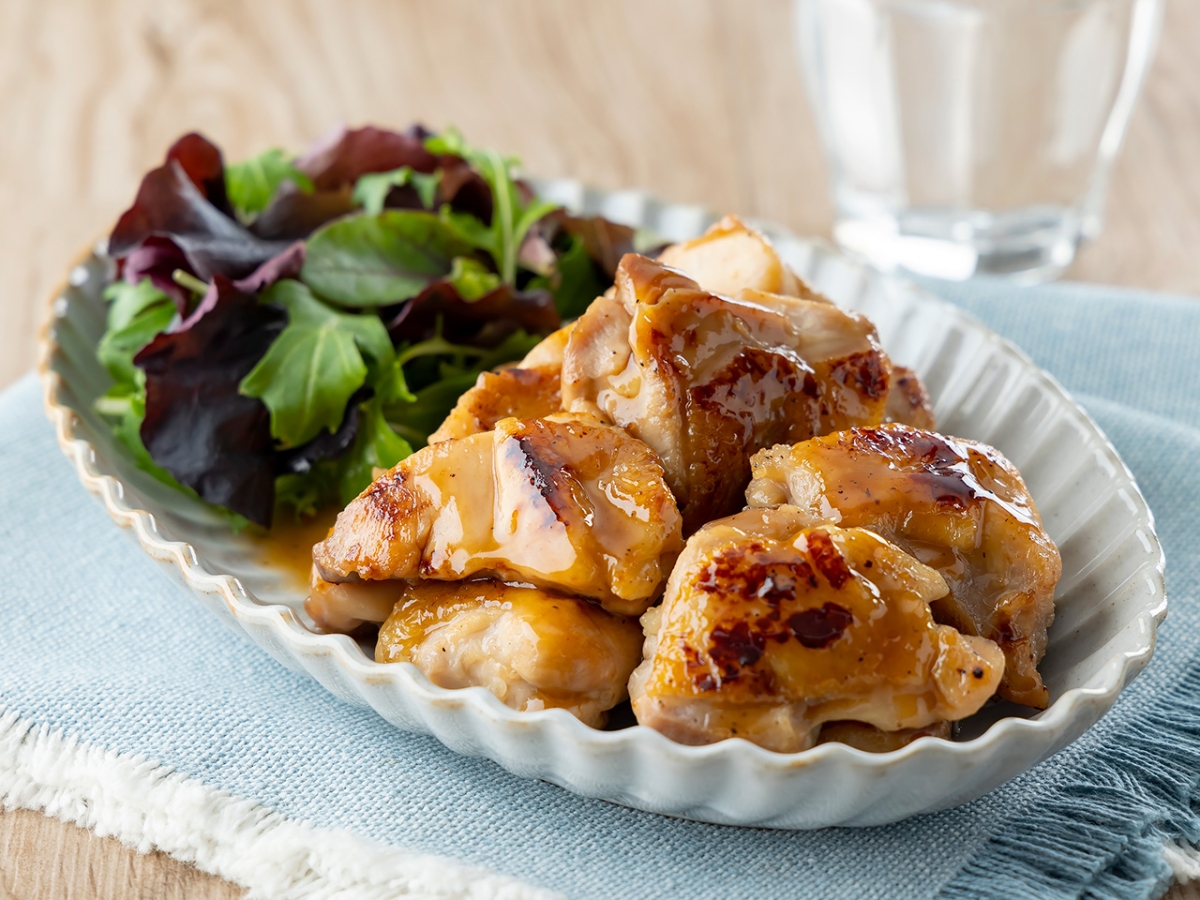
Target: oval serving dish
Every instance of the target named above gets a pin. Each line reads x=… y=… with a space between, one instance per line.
x=1109 y=602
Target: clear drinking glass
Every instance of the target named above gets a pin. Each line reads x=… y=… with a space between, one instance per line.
x=972 y=136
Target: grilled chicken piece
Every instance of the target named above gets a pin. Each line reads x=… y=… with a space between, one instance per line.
x=531 y=648
x=529 y=390
x=731 y=258
x=956 y=505
x=770 y=628
x=734 y=259
x=908 y=401
x=559 y=503
x=706 y=380
x=340 y=607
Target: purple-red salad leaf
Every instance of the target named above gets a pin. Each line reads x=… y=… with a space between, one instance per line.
x=485 y=322
x=156 y=258
x=340 y=158
x=293 y=214
x=197 y=425
x=285 y=265
x=202 y=162
x=605 y=242
x=461 y=186
x=170 y=205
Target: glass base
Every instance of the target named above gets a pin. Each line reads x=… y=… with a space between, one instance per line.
x=1027 y=246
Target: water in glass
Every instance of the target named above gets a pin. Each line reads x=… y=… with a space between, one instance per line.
x=972 y=136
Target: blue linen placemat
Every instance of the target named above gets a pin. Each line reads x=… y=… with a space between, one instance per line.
x=96 y=644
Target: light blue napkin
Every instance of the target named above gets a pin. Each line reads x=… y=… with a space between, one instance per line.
x=95 y=642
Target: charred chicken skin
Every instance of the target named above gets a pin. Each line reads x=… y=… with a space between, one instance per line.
x=560 y=503
x=908 y=401
x=956 y=505
x=707 y=380
x=770 y=628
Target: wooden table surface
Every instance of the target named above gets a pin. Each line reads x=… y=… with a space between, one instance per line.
x=698 y=100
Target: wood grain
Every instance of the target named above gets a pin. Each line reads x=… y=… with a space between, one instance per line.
x=44 y=859
x=699 y=100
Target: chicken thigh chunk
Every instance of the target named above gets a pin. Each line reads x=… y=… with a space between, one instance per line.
x=706 y=380
x=908 y=402
x=770 y=628
x=730 y=257
x=532 y=649
x=560 y=503
x=956 y=505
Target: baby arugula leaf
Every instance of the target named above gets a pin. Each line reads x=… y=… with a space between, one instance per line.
x=372 y=189
x=315 y=365
x=365 y=260
x=511 y=216
x=136 y=313
x=252 y=184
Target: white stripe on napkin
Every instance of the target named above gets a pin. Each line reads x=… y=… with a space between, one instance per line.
x=149 y=807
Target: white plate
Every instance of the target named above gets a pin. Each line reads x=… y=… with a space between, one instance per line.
x=1109 y=601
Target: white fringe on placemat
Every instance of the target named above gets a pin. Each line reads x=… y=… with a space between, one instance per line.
x=1184 y=862
x=148 y=807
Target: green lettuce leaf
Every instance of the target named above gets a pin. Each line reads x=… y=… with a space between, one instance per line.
x=136 y=314
x=251 y=184
x=471 y=278
x=311 y=370
x=365 y=260
x=372 y=189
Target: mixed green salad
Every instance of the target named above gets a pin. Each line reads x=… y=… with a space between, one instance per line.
x=279 y=328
